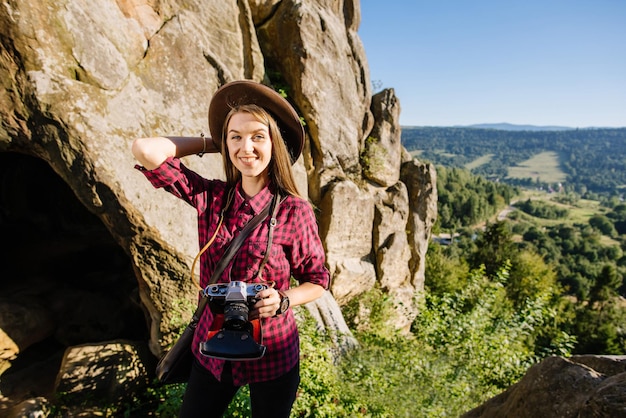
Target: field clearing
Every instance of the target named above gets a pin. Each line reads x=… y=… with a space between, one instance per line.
x=544 y=167
x=446 y=154
x=478 y=162
x=585 y=209
x=608 y=241
x=578 y=213
x=418 y=152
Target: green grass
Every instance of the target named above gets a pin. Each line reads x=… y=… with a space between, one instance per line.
x=542 y=167
x=578 y=213
x=585 y=209
x=478 y=162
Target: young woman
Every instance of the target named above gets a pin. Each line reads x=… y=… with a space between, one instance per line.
x=260 y=136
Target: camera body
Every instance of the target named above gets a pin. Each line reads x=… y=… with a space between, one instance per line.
x=236 y=338
x=234 y=299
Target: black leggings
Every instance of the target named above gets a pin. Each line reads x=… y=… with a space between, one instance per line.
x=206 y=397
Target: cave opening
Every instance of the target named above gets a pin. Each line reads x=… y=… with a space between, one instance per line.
x=64 y=280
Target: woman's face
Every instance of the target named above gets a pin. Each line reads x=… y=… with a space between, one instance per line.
x=249 y=146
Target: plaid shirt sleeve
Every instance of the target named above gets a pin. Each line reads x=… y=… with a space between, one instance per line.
x=174 y=177
x=305 y=252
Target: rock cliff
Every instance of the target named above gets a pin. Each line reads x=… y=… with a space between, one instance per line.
x=81 y=80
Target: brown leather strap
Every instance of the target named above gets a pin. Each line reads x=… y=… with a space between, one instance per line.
x=270 y=234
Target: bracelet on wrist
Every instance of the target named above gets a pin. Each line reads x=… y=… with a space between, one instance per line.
x=201 y=153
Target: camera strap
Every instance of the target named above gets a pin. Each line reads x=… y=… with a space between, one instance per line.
x=274 y=208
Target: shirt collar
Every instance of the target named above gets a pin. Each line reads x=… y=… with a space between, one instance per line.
x=257 y=202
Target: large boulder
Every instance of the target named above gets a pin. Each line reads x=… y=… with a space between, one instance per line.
x=580 y=386
x=104 y=374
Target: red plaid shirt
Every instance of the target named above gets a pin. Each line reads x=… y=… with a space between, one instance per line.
x=296 y=251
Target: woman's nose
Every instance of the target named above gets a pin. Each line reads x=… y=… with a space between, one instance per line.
x=248 y=145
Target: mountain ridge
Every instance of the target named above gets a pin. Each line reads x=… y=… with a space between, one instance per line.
x=513 y=127
x=504 y=126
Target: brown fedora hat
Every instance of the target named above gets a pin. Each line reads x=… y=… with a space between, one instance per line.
x=243 y=92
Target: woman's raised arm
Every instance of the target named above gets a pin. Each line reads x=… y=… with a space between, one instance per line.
x=151 y=152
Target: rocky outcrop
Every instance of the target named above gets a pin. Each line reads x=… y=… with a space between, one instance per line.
x=576 y=387
x=81 y=80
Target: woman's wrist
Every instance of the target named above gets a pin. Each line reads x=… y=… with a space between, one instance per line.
x=201 y=153
x=208 y=145
x=189 y=145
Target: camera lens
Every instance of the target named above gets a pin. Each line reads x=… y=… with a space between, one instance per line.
x=235 y=315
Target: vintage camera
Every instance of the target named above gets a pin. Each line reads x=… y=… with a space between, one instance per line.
x=237 y=337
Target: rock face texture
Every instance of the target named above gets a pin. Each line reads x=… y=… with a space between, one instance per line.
x=81 y=80
x=581 y=386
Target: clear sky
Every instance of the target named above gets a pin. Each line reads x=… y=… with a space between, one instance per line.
x=534 y=62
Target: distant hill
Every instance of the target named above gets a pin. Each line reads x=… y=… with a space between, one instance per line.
x=511 y=127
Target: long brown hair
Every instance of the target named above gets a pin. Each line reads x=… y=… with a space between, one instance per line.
x=279 y=169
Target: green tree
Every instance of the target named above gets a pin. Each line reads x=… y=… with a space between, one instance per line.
x=603 y=224
x=606 y=284
x=444 y=273
x=600 y=328
x=494 y=248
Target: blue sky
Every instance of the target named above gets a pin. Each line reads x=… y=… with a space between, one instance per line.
x=536 y=62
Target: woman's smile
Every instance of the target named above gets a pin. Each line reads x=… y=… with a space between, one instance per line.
x=248 y=160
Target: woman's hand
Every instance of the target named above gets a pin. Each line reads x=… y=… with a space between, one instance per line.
x=268 y=304
x=270 y=299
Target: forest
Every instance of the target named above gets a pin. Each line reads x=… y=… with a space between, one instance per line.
x=592 y=160
x=584 y=256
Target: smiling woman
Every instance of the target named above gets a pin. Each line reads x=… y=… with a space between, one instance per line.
x=260 y=136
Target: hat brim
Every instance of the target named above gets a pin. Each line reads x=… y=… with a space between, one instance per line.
x=244 y=92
